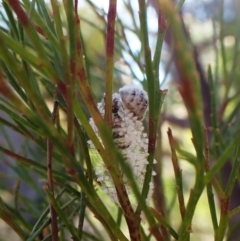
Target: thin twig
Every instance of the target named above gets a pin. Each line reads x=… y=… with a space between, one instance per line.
x=54 y=224
x=71 y=80
x=16 y=194
x=161 y=220
x=178 y=174
x=154 y=104
x=210 y=194
x=234 y=212
x=109 y=60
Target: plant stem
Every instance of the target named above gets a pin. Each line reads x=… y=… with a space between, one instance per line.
x=178 y=174
x=234 y=173
x=54 y=223
x=109 y=60
x=224 y=218
x=71 y=79
x=218 y=143
x=161 y=220
x=154 y=103
x=222 y=48
x=210 y=194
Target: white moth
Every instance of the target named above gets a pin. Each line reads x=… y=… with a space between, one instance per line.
x=129 y=107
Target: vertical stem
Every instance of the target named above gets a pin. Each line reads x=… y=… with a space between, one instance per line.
x=153 y=94
x=210 y=194
x=218 y=143
x=84 y=157
x=224 y=218
x=109 y=60
x=83 y=202
x=54 y=224
x=162 y=28
x=236 y=47
x=159 y=198
x=154 y=105
x=71 y=79
x=16 y=192
x=178 y=174
x=223 y=50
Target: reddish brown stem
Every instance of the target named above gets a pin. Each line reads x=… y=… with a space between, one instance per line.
x=131 y=219
x=76 y=7
x=22 y=16
x=54 y=224
x=109 y=60
x=40 y=31
x=177 y=172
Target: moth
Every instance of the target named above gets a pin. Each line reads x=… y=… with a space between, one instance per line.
x=129 y=106
x=135 y=100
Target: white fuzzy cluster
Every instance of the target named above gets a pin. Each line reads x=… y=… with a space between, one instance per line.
x=128 y=109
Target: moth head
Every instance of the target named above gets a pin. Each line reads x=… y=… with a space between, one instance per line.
x=135 y=100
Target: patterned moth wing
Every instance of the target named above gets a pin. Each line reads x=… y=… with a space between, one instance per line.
x=119 y=126
x=135 y=100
